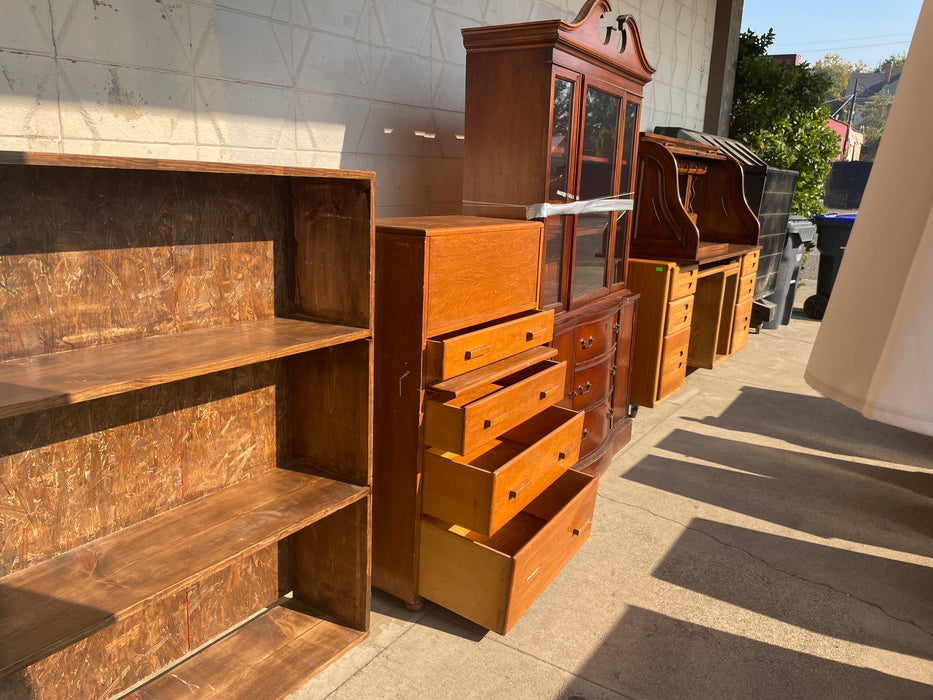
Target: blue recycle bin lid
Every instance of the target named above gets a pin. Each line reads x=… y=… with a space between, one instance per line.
x=840 y=218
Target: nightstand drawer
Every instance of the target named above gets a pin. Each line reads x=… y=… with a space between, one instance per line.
x=673 y=363
x=483 y=490
x=746 y=288
x=750 y=262
x=463 y=423
x=450 y=355
x=494 y=580
x=683 y=281
x=679 y=315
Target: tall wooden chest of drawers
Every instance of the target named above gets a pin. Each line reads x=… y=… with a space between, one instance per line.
x=475 y=506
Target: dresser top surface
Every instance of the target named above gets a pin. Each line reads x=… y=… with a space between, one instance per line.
x=446 y=225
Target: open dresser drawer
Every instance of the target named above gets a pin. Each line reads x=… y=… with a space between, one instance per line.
x=483 y=490
x=465 y=422
x=493 y=580
x=449 y=355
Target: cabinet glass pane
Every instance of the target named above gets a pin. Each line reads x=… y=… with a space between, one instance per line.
x=551 y=278
x=600 y=137
x=555 y=227
x=560 y=139
x=626 y=170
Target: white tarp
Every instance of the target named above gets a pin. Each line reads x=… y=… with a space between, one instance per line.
x=874 y=350
x=586 y=206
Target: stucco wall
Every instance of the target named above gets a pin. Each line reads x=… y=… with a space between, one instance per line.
x=366 y=84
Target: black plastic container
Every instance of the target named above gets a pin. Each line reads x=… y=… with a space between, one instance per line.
x=800 y=232
x=832 y=236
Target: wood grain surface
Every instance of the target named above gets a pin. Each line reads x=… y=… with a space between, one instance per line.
x=53 y=604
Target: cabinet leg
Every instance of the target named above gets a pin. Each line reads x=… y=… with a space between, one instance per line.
x=415 y=605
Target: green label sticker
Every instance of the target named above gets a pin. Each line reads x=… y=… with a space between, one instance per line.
x=659 y=269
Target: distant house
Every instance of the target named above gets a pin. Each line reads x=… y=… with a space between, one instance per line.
x=866 y=85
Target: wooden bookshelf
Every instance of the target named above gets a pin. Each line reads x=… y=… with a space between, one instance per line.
x=185 y=419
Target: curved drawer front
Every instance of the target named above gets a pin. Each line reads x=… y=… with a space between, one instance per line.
x=450 y=355
x=595 y=427
x=485 y=489
x=679 y=315
x=592 y=384
x=464 y=423
x=494 y=580
x=594 y=339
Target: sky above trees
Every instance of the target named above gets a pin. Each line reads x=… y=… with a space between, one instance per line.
x=855 y=30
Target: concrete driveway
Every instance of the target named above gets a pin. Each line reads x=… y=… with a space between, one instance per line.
x=754 y=540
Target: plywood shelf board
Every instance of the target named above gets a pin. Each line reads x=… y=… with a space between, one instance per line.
x=46 y=381
x=51 y=605
x=268 y=657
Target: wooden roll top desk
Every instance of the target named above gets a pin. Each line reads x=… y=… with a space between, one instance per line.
x=694 y=257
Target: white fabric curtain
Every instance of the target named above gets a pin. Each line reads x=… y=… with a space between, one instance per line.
x=874 y=349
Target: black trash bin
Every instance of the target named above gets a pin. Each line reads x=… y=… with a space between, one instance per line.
x=832 y=236
x=800 y=232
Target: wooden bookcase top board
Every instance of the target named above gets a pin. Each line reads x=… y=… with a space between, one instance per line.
x=185 y=423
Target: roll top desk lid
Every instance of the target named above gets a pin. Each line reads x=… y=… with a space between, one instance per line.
x=690 y=203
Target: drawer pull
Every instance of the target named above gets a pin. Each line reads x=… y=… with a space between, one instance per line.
x=535 y=334
x=516 y=490
x=581 y=391
x=579 y=528
x=586 y=344
x=544 y=394
x=494 y=420
x=586 y=431
x=562 y=455
x=476 y=352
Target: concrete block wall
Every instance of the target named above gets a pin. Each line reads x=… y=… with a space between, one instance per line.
x=365 y=84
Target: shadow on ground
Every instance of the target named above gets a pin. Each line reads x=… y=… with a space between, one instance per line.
x=650 y=655
x=822 y=424
x=869 y=600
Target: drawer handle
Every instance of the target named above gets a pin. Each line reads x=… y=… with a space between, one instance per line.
x=581 y=391
x=516 y=490
x=535 y=334
x=545 y=392
x=476 y=352
x=586 y=431
x=579 y=528
x=494 y=420
x=586 y=344
x=562 y=455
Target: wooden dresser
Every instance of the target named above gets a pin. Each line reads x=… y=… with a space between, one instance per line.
x=186 y=372
x=694 y=258
x=475 y=506
x=551 y=116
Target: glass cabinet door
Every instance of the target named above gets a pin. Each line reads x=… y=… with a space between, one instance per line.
x=555 y=227
x=597 y=177
x=626 y=184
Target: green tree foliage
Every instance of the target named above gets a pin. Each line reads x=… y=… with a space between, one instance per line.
x=874 y=116
x=896 y=59
x=838 y=70
x=777 y=112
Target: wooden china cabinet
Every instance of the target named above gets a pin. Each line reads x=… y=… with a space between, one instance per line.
x=552 y=115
